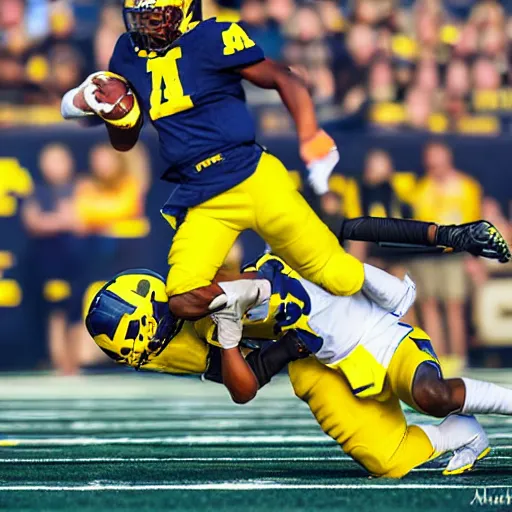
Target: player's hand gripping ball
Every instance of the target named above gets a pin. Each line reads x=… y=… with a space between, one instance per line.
x=109 y=96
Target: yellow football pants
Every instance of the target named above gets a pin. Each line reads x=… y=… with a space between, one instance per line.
x=268 y=203
x=374 y=432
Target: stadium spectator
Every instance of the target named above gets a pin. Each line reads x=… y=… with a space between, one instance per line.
x=467 y=45
x=109 y=195
x=110 y=208
x=110 y=28
x=492 y=211
x=331 y=208
x=361 y=50
x=348 y=53
x=485 y=76
x=427 y=23
x=419 y=109
x=332 y=17
x=380 y=196
x=457 y=80
x=427 y=76
x=306 y=44
x=447 y=196
x=50 y=220
x=280 y=10
x=261 y=28
x=11 y=14
x=381 y=83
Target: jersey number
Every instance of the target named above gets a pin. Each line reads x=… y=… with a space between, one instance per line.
x=236 y=39
x=167 y=96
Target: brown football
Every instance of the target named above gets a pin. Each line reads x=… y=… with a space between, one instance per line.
x=114 y=91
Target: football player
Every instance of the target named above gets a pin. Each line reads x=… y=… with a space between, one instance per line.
x=365 y=361
x=187 y=76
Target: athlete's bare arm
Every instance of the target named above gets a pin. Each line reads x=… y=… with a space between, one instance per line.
x=237 y=376
x=268 y=74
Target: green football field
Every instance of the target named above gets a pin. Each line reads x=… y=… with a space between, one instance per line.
x=151 y=442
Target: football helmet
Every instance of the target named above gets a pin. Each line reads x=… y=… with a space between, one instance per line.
x=154 y=25
x=129 y=318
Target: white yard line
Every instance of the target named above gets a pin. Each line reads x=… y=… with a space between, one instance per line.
x=239 y=486
x=200 y=440
x=113 y=426
x=281 y=439
x=139 y=460
x=170 y=459
x=197 y=440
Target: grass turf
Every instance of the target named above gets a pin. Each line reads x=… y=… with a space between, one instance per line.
x=132 y=442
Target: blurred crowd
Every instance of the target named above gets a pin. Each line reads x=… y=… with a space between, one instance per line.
x=429 y=65
x=83 y=228
x=445 y=195
x=424 y=65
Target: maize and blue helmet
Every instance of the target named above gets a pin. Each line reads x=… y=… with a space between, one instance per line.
x=129 y=318
x=154 y=25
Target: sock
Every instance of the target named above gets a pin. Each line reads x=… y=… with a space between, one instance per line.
x=486 y=398
x=453 y=433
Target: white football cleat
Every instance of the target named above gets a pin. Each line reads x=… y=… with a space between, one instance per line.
x=465 y=458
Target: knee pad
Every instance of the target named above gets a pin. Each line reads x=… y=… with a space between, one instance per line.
x=343 y=274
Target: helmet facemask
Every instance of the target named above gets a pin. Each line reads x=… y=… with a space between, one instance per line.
x=154 y=30
x=154 y=25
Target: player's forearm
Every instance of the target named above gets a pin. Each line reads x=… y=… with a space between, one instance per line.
x=70 y=106
x=373 y=229
x=124 y=139
x=299 y=103
x=238 y=376
x=42 y=224
x=479 y=238
x=268 y=74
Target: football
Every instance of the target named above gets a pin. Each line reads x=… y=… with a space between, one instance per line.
x=115 y=91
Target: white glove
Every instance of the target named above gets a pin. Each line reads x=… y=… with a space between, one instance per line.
x=239 y=296
x=319 y=171
x=98 y=107
x=68 y=108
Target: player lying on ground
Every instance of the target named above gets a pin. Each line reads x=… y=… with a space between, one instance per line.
x=372 y=360
x=185 y=76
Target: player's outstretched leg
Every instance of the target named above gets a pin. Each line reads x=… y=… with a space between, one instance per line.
x=416 y=378
x=439 y=397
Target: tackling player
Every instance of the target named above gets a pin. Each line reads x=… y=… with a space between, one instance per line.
x=370 y=359
x=187 y=78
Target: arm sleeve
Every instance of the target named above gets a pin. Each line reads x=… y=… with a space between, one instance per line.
x=264 y=362
x=373 y=229
x=230 y=47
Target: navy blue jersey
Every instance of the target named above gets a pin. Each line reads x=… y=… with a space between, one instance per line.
x=194 y=97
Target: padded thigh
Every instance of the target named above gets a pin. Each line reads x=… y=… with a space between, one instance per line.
x=370 y=431
x=296 y=234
